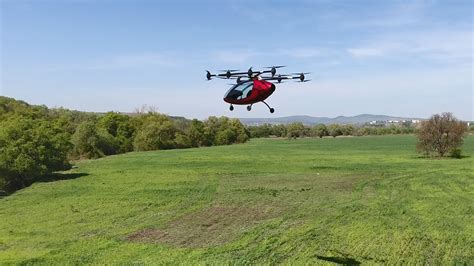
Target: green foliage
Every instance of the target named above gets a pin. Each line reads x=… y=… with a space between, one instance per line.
x=120 y=127
x=224 y=131
x=29 y=150
x=93 y=142
x=196 y=133
x=322 y=130
x=335 y=130
x=182 y=141
x=319 y=131
x=263 y=131
x=456 y=153
x=347 y=130
x=279 y=130
x=157 y=132
x=225 y=137
x=94 y=136
x=10 y=107
x=296 y=130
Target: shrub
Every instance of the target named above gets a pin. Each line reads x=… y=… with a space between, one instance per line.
x=120 y=127
x=92 y=142
x=295 y=130
x=279 y=130
x=319 y=131
x=182 y=141
x=155 y=135
x=225 y=137
x=29 y=150
x=196 y=133
x=456 y=153
x=334 y=130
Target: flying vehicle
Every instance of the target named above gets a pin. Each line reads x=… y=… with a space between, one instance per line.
x=252 y=87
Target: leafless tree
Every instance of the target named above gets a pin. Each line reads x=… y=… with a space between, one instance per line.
x=144 y=109
x=441 y=134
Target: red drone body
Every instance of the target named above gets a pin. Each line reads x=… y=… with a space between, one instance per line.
x=249 y=92
x=255 y=88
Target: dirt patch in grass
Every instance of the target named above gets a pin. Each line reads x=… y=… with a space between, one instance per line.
x=209 y=227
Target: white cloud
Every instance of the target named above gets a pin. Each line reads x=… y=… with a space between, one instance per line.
x=436 y=45
x=121 y=61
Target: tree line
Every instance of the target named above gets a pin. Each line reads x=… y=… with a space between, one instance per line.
x=36 y=141
x=299 y=130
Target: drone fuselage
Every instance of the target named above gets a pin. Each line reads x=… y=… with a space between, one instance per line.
x=249 y=92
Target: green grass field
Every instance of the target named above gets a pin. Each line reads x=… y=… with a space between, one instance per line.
x=344 y=200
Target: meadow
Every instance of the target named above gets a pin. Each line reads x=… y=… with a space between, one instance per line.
x=343 y=200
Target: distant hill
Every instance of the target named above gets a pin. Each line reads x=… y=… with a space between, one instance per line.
x=310 y=120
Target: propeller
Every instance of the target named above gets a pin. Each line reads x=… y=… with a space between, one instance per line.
x=273 y=69
x=209 y=75
x=281 y=77
x=229 y=70
x=301 y=76
x=228 y=73
x=250 y=72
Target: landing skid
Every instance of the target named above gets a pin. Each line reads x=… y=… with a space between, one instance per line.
x=271 y=109
x=249 y=107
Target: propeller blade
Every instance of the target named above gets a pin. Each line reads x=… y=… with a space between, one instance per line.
x=275 y=67
x=230 y=70
x=304 y=73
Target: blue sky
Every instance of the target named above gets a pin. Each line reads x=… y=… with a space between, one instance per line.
x=404 y=58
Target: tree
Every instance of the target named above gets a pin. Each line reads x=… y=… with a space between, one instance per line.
x=347 y=130
x=92 y=142
x=196 y=133
x=155 y=135
x=29 y=150
x=441 y=134
x=241 y=133
x=261 y=131
x=120 y=127
x=182 y=141
x=319 y=131
x=225 y=137
x=279 y=130
x=334 y=130
x=295 y=130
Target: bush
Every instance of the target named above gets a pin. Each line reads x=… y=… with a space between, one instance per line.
x=334 y=130
x=456 y=153
x=319 y=131
x=225 y=137
x=155 y=135
x=279 y=130
x=182 y=141
x=29 y=150
x=120 y=127
x=91 y=142
x=295 y=130
x=196 y=133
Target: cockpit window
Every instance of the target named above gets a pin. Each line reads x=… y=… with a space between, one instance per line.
x=240 y=91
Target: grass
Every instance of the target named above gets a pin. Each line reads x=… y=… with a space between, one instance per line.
x=344 y=200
